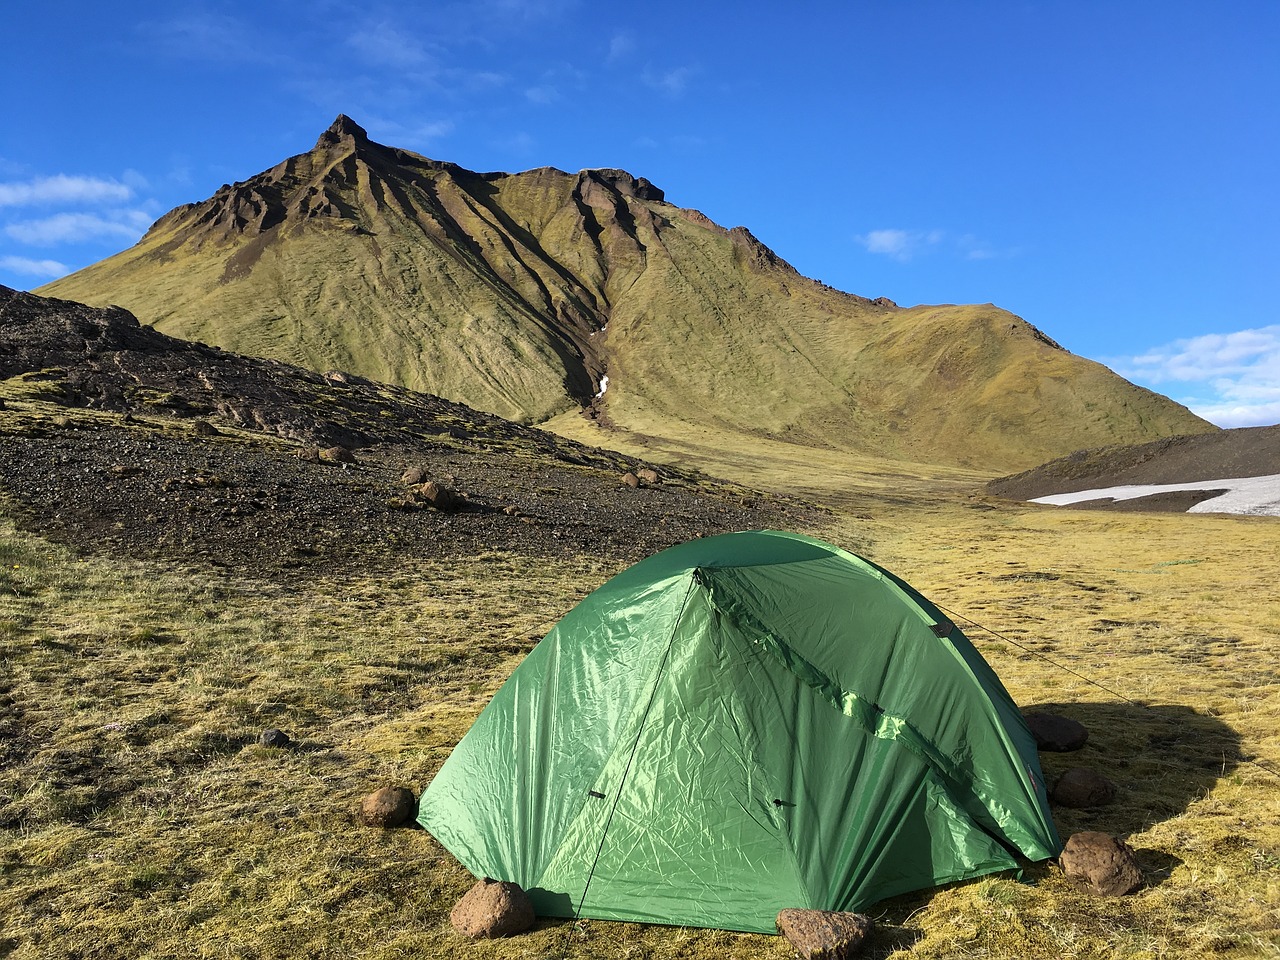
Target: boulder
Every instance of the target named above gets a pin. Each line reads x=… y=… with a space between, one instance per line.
x=415 y=474
x=630 y=479
x=1082 y=787
x=823 y=934
x=440 y=497
x=275 y=738
x=1106 y=865
x=1055 y=733
x=388 y=807
x=492 y=908
x=337 y=455
x=648 y=475
x=203 y=428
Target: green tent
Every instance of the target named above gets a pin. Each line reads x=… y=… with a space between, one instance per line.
x=737 y=725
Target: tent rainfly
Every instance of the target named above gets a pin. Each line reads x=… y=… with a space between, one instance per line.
x=737 y=725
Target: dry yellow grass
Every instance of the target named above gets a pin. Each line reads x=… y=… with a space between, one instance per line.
x=140 y=818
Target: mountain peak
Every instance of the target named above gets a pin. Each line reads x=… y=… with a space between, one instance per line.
x=343 y=128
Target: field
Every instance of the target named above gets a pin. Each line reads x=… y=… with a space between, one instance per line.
x=140 y=817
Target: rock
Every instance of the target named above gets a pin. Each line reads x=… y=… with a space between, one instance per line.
x=648 y=475
x=630 y=479
x=511 y=511
x=440 y=497
x=309 y=454
x=388 y=807
x=414 y=475
x=492 y=908
x=203 y=428
x=1106 y=865
x=337 y=455
x=275 y=738
x=1055 y=733
x=823 y=934
x=1083 y=787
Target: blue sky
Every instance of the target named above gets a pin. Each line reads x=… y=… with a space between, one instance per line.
x=1108 y=171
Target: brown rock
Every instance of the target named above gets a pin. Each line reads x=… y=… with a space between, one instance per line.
x=275 y=738
x=309 y=454
x=648 y=475
x=1083 y=787
x=823 y=934
x=630 y=479
x=1055 y=733
x=388 y=807
x=440 y=497
x=1106 y=865
x=492 y=908
x=203 y=428
x=511 y=511
x=414 y=475
x=337 y=455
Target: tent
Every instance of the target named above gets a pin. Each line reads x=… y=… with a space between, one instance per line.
x=741 y=724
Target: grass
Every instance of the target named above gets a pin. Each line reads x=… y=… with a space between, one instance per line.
x=140 y=817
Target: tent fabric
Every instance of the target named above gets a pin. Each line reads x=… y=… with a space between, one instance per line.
x=737 y=725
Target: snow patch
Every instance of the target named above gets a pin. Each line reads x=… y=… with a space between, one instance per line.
x=1255 y=496
x=604 y=385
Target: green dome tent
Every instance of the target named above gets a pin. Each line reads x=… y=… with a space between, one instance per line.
x=741 y=724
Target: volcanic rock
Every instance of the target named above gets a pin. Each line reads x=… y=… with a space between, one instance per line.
x=1082 y=787
x=1055 y=733
x=492 y=908
x=388 y=807
x=1106 y=865
x=823 y=934
x=275 y=738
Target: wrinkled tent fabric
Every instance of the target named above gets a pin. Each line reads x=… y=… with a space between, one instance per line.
x=741 y=724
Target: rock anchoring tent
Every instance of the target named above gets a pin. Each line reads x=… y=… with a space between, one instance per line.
x=737 y=725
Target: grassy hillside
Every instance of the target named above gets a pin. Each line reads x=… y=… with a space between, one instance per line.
x=518 y=293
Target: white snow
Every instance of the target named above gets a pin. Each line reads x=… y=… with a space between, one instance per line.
x=1256 y=496
x=604 y=385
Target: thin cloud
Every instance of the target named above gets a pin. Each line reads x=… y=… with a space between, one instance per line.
x=1231 y=379
x=205 y=36
x=46 y=269
x=79 y=227
x=385 y=44
x=62 y=189
x=900 y=245
x=621 y=46
x=671 y=82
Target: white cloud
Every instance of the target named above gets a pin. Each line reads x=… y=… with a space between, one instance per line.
x=1232 y=379
x=671 y=82
x=621 y=46
x=61 y=189
x=211 y=37
x=544 y=94
x=901 y=245
x=384 y=44
x=34 y=268
x=79 y=227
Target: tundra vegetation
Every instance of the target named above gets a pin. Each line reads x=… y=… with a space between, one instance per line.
x=140 y=815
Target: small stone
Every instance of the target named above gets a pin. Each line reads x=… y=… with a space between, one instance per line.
x=492 y=908
x=1055 y=733
x=275 y=738
x=414 y=475
x=1082 y=787
x=648 y=475
x=203 y=428
x=439 y=496
x=630 y=479
x=388 y=807
x=511 y=511
x=1106 y=865
x=309 y=454
x=823 y=934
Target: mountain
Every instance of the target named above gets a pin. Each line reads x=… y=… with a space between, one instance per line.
x=537 y=294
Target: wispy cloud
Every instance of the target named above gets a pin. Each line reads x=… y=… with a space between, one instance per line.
x=62 y=189
x=385 y=44
x=44 y=269
x=80 y=227
x=672 y=82
x=906 y=245
x=900 y=245
x=1231 y=379
x=206 y=36
x=621 y=46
